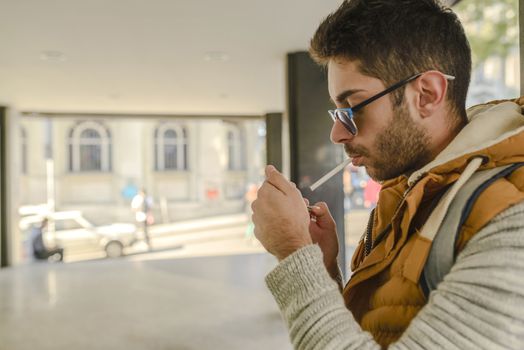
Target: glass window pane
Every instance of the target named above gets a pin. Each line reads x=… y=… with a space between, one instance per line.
x=67 y=224
x=23 y=141
x=89 y=134
x=201 y=191
x=170 y=157
x=91 y=150
x=170 y=134
x=185 y=156
x=90 y=157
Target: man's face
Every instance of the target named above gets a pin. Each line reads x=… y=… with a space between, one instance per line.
x=389 y=143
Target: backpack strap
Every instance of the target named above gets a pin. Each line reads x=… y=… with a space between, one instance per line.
x=442 y=254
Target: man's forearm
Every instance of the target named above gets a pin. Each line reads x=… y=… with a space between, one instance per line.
x=312 y=305
x=477 y=306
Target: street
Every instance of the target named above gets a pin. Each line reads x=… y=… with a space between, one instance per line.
x=224 y=235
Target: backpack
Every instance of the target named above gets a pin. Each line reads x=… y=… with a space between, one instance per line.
x=442 y=254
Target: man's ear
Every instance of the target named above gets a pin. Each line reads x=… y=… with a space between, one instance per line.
x=431 y=90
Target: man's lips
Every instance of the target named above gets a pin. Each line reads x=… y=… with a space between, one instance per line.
x=356 y=159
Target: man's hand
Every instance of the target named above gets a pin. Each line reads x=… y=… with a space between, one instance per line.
x=323 y=232
x=280 y=216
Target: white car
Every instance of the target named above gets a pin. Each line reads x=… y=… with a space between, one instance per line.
x=71 y=231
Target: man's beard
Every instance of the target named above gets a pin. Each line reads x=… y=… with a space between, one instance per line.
x=401 y=148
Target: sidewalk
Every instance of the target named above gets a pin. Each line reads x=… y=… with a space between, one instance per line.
x=197 y=225
x=212 y=236
x=217 y=235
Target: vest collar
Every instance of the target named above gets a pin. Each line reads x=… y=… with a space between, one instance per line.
x=488 y=125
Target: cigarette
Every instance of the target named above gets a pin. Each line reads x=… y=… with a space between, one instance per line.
x=330 y=174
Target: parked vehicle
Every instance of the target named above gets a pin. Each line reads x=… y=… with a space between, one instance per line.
x=73 y=232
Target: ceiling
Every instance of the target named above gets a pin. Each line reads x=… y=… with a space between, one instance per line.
x=157 y=56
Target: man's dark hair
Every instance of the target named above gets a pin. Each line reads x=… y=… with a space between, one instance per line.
x=394 y=39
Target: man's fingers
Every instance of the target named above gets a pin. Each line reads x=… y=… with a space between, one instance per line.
x=275 y=178
x=269 y=191
x=316 y=209
x=320 y=210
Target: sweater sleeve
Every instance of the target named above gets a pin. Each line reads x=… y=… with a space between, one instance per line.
x=478 y=305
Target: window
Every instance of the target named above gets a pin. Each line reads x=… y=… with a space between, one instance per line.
x=235 y=148
x=171 y=146
x=89 y=148
x=67 y=224
x=23 y=150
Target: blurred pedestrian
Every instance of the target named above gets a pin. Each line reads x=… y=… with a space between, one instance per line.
x=40 y=250
x=142 y=205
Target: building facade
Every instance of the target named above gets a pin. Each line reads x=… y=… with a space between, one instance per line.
x=191 y=168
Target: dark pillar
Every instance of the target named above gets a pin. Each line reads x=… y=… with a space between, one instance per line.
x=4 y=261
x=521 y=35
x=311 y=152
x=274 y=139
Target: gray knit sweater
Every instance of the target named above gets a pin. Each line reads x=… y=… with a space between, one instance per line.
x=479 y=304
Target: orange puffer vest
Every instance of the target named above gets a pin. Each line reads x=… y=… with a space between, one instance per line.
x=384 y=293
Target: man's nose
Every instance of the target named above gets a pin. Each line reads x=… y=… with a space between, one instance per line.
x=339 y=133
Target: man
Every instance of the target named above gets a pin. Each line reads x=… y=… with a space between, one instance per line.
x=40 y=250
x=141 y=205
x=417 y=139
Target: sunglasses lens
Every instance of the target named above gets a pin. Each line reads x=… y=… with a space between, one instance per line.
x=347 y=120
x=332 y=115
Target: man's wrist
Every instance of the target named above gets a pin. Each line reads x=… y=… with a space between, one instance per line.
x=291 y=248
x=334 y=272
x=332 y=267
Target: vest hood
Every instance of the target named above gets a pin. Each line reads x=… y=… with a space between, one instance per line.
x=489 y=125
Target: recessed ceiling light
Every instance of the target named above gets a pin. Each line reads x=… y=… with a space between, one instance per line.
x=216 y=56
x=52 y=56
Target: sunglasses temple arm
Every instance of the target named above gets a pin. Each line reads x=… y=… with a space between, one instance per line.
x=385 y=92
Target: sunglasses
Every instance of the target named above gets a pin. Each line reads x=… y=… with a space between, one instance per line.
x=346 y=115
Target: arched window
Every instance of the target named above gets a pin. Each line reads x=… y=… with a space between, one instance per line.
x=23 y=150
x=171 y=147
x=235 y=148
x=89 y=147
